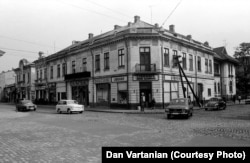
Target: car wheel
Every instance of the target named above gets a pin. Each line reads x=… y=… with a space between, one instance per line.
x=59 y=111
x=80 y=112
x=168 y=116
x=68 y=111
x=218 y=108
x=205 y=109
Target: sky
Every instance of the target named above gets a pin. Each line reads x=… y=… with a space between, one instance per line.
x=30 y=26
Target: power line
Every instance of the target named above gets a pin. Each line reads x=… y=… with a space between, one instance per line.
x=108 y=8
x=19 y=50
x=171 y=12
x=72 y=5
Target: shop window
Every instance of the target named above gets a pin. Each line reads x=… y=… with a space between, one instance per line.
x=102 y=93
x=122 y=93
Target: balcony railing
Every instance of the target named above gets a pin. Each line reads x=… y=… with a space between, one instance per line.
x=145 y=68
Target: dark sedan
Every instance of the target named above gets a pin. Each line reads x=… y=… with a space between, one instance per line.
x=25 y=105
x=215 y=103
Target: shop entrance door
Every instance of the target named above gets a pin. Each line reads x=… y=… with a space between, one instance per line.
x=146 y=90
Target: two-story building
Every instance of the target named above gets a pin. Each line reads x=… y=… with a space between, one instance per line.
x=7 y=79
x=25 y=80
x=224 y=73
x=117 y=68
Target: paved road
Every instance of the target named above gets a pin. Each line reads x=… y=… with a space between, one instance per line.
x=44 y=136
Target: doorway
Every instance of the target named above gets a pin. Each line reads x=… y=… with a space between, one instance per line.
x=146 y=90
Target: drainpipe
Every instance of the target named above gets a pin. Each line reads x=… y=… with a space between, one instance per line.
x=93 y=86
x=127 y=52
x=162 y=74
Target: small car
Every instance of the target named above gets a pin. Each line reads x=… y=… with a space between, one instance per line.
x=69 y=106
x=247 y=101
x=25 y=105
x=179 y=106
x=215 y=103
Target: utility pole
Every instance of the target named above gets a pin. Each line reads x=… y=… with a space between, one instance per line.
x=176 y=58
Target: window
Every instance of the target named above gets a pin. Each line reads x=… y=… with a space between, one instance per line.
x=28 y=77
x=209 y=92
x=210 y=66
x=206 y=65
x=199 y=63
x=218 y=87
x=190 y=62
x=51 y=72
x=231 y=86
x=58 y=71
x=41 y=74
x=73 y=67
x=184 y=61
x=37 y=74
x=175 y=64
x=215 y=86
x=97 y=62
x=24 y=78
x=84 y=64
x=166 y=57
x=64 y=69
x=45 y=73
x=106 y=61
x=216 y=69
x=121 y=57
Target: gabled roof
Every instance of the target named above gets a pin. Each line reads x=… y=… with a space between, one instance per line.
x=221 y=54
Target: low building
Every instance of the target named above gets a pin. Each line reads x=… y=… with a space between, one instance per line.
x=25 y=80
x=224 y=73
x=6 y=78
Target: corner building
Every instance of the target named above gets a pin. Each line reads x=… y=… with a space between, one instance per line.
x=115 y=68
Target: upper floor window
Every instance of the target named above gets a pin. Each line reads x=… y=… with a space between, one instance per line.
x=97 y=62
x=45 y=73
x=206 y=65
x=73 y=67
x=175 y=59
x=84 y=64
x=218 y=87
x=231 y=86
x=166 y=57
x=28 y=77
x=64 y=69
x=51 y=72
x=216 y=68
x=199 y=63
x=121 y=58
x=41 y=74
x=210 y=66
x=215 y=86
x=184 y=61
x=209 y=92
x=106 y=61
x=191 y=62
x=58 y=70
x=24 y=78
x=37 y=74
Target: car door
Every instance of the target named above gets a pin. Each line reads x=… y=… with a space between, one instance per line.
x=64 y=105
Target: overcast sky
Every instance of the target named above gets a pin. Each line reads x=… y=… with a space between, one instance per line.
x=30 y=26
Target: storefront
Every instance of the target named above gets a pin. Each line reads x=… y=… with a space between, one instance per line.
x=103 y=91
x=120 y=91
x=52 y=92
x=80 y=91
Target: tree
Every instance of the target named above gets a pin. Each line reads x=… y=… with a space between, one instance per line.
x=242 y=54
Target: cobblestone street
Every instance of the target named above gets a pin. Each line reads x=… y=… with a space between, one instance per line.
x=44 y=136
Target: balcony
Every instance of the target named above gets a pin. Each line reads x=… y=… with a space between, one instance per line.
x=145 y=68
x=230 y=76
x=79 y=75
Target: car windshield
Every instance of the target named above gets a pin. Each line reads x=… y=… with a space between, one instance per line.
x=214 y=99
x=26 y=101
x=178 y=102
x=72 y=102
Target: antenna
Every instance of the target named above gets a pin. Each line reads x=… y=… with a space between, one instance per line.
x=151 y=12
x=171 y=12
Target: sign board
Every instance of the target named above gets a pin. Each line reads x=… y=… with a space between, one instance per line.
x=119 y=79
x=146 y=77
x=103 y=80
x=79 y=83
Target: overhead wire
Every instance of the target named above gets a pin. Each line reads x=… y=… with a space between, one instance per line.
x=171 y=13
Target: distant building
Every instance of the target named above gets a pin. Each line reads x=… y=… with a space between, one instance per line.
x=6 y=78
x=224 y=73
x=25 y=80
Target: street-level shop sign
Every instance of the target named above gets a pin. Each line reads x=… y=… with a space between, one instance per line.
x=146 y=77
x=103 y=80
x=79 y=83
x=119 y=79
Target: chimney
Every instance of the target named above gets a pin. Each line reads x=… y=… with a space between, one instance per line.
x=116 y=27
x=156 y=25
x=91 y=35
x=40 y=53
x=206 y=43
x=189 y=37
x=75 y=42
x=171 y=28
x=137 y=19
x=129 y=24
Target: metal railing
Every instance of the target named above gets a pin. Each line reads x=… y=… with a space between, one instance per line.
x=145 y=68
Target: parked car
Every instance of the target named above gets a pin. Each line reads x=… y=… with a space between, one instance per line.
x=215 y=103
x=247 y=101
x=179 y=106
x=25 y=105
x=69 y=106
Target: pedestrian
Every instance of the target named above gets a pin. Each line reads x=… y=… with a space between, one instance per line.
x=234 y=99
x=239 y=98
x=142 y=101
x=153 y=103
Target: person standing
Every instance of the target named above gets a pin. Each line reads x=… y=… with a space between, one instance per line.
x=142 y=101
x=153 y=103
x=239 y=98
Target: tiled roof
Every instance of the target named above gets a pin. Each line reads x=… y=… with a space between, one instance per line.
x=221 y=54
